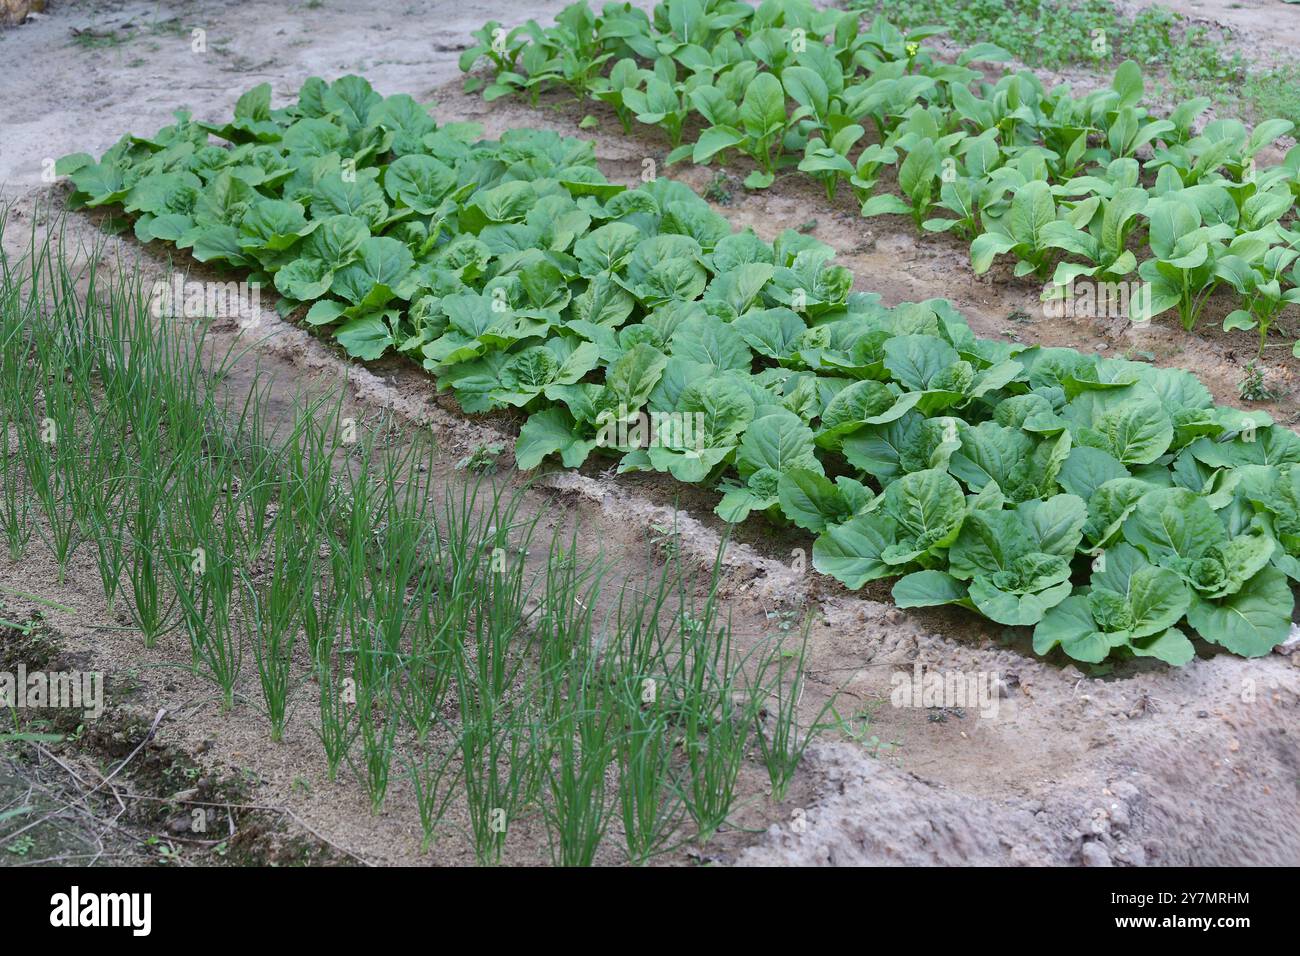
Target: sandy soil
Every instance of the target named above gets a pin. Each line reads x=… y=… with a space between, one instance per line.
x=1144 y=765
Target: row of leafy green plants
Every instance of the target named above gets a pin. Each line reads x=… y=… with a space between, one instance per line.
x=1069 y=186
x=291 y=559
x=1102 y=501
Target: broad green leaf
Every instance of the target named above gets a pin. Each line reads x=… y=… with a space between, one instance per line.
x=548 y=432
x=420 y=182
x=780 y=441
x=928 y=589
x=762 y=112
x=635 y=374
x=366 y=337
x=1173 y=524
x=928 y=505
x=812 y=501
x=1251 y=622
x=1070 y=626
x=851 y=552
x=1172 y=647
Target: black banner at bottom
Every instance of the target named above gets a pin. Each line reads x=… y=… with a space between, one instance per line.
x=338 y=906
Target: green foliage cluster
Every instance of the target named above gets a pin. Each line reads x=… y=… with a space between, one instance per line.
x=1070 y=186
x=346 y=200
x=1102 y=501
x=1051 y=33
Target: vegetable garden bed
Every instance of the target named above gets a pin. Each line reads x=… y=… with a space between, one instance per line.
x=1101 y=501
x=482 y=273
x=1009 y=165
